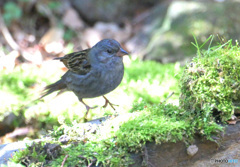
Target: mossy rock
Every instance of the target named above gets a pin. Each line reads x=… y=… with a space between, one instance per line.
x=210 y=84
x=168 y=35
x=113 y=141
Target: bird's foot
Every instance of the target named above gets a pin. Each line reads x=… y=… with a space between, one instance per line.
x=108 y=102
x=87 y=108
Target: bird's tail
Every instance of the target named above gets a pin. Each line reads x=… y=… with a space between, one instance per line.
x=59 y=85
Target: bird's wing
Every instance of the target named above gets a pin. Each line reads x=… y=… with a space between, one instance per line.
x=77 y=62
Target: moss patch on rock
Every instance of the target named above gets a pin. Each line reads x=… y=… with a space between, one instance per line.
x=210 y=85
x=112 y=142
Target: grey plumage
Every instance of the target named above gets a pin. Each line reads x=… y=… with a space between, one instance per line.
x=92 y=72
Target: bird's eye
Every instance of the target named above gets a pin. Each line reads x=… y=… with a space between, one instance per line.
x=109 y=51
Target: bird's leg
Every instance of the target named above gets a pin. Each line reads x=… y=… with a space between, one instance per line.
x=87 y=107
x=108 y=102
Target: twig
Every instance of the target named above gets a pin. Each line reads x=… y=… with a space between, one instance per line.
x=9 y=39
x=82 y=157
x=7 y=35
x=64 y=160
x=141 y=17
x=167 y=97
x=92 y=160
x=90 y=164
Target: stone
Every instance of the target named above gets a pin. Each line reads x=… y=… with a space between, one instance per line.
x=192 y=150
x=6 y=125
x=7 y=150
x=64 y=139
x=109 y=10
x=174 y=154
x=52 y=150
x=165 y=35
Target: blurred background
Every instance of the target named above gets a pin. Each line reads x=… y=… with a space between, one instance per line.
x=158 y=34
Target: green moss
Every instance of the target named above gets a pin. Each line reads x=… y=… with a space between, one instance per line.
x=151 y=81
x=209 y=85
x=157 y=123
x=110 y=144
x=17 y=83
x=33 y=154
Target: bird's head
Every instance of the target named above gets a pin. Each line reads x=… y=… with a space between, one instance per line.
x=107 y=49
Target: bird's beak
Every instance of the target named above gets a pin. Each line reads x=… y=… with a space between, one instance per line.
x=122 y=52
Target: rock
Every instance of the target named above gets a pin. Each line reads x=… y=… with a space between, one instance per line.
x=144 y=25
x=64 y=139
x=52 y=150
x=103 y=30
x=167 y=32
x=7 y=124
x=192 y=150
x=174 y=154
x=167 y=154
x=109 y=10
x=6 y=150
x=72 y=20
x=229 y=157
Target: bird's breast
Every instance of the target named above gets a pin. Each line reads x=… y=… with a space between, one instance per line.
x=101 y=80
x=111 y=77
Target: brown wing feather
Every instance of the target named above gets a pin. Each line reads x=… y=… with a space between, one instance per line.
x=77 y=62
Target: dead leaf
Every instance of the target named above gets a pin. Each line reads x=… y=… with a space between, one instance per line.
x=72 y=20
x=54 y=34
x=52 y=41
x=23 y=131
x=54 y=47
x=231 y=122
x=8 y=61
x=91 y=37
x=33 y=55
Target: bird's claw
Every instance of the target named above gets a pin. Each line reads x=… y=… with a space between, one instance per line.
x=108 y=102
x=88 y=108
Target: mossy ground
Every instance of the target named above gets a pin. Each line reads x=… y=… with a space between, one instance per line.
x=112 y=142
x=208 y=83
x=148 y=81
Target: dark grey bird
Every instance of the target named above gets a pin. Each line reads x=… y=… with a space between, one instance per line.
x=92 y=72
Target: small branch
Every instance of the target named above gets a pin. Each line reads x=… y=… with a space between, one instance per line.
x=64 y=160
x=167 y=97
x=82 y=157
x=9 y=39
x=92 y=160
x=90 y=164
x=7 y=35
